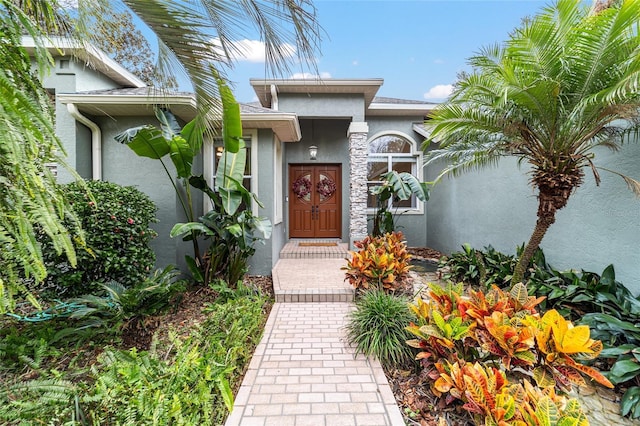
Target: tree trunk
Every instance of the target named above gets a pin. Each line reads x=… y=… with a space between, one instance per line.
x=542 y=224
x=554 y=189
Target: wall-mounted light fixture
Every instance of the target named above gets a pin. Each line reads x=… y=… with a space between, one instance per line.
x=313 y=152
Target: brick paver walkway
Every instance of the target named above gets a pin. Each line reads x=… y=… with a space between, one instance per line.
x=303 y=373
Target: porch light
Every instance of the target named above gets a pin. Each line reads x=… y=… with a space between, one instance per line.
x=313 y=152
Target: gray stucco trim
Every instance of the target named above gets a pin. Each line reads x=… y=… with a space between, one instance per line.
x=357 y=134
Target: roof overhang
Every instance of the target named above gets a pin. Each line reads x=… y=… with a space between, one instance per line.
x=400 y=109
x=367 y=87
x=284 y=125
x=93 y=56
x=421 y=130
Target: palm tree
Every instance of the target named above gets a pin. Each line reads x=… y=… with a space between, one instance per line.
x=566 y=82
x=198 y=39
x=29 y=197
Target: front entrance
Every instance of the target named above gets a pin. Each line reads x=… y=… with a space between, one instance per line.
x=314 y=201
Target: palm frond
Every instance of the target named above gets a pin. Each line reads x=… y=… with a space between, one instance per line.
x=29 y=195
x=632 y=184
x=549 y=95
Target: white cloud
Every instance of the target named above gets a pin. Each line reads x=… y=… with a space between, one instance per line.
x=354 y=63
x=309 y=76
x=68 y=4
x=252 y=50
x=438 y=61
x=439 y=91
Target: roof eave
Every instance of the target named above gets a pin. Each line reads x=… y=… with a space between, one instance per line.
x=89 y=53
x=368 y=87
x=399 y=109
x=285 y=125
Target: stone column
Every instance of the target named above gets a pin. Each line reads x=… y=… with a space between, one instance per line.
x=357 y=134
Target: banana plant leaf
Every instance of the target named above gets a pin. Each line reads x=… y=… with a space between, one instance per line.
x=181 y=155
x=145 y=141
x=231 y=122
x=168 y=123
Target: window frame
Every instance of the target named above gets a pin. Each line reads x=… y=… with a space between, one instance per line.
x=209 y=170
x=415 y=155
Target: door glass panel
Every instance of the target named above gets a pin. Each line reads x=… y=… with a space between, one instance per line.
x=326 y=187
x=302 y=187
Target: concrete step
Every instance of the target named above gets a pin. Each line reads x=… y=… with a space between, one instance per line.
x=311 y=280
x=315 y=249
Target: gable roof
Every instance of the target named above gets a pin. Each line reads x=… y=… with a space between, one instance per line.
x=139 y=102
x=88 y=53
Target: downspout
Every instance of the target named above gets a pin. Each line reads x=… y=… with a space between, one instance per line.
x=274 y=97
x=96 y=141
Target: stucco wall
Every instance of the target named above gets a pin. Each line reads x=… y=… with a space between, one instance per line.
x=263 y=260
x=70 y=76
x=599 y=226
x=315 y=105
x=124 y=167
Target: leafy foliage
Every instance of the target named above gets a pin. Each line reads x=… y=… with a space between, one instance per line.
x=395 y=186
x=29 y=195
x=479 y=267
x=377 y=327
x=505 y=338
x=558 y=89
x=116 y=221
x=598 y=301
x=142 y=387
x=121 y=305
x=182 y=380
x=382 y=262
x=233 y=232
x=232 y=236
x=114 y=32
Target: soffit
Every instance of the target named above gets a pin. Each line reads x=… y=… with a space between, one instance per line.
x=367 y=87
x=284 y=125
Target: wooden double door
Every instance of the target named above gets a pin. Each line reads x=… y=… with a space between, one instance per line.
x=315 y=193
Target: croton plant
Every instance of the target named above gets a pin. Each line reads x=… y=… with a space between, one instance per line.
x=382 y=262
x=497 y=355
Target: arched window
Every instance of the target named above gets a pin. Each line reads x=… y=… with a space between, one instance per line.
x=392 y=151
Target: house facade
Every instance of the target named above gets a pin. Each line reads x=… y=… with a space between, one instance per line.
x=314 y=149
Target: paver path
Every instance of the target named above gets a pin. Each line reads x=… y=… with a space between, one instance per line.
x=303 y=373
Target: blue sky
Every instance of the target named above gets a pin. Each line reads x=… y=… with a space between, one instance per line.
x=417 y=47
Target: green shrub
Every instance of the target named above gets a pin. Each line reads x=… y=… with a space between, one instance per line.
x=377 y=327
x=116 y=223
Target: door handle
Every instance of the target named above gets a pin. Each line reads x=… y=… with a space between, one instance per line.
x=313 y=211
x=317 y=212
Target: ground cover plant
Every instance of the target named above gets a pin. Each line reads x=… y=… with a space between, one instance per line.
x=203 y=344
